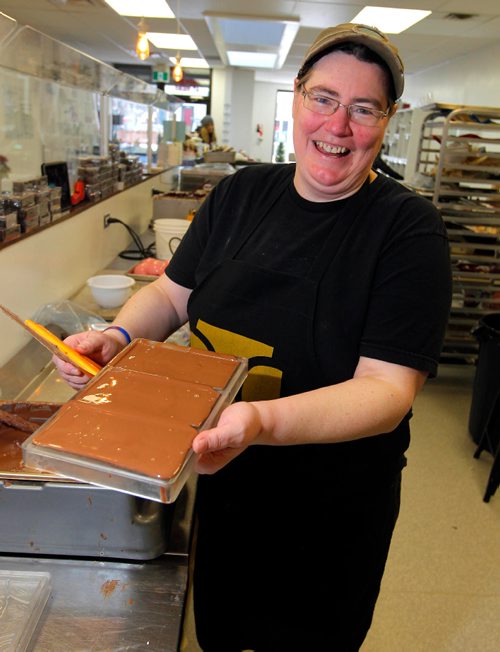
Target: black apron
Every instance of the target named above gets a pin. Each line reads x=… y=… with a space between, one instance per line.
x=276 y=531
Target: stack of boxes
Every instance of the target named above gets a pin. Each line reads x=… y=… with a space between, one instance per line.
x=99 y=176
x=104 y=175
x=9 y=228
x=130 y=169
x=29 y=205
x=34 y=203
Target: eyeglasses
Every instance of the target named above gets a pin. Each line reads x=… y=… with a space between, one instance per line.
x=361 y=115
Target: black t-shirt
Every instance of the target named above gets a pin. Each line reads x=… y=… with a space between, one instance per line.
x=385 y=294
x=292 y=239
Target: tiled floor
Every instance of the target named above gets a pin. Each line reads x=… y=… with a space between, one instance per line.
x=441 y=589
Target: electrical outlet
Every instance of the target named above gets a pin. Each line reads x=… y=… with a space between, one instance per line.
x=106 y=220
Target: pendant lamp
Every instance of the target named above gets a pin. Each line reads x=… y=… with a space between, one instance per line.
x=177 y=72
x=142 y=43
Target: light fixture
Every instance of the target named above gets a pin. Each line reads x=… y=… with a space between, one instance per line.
x=390 y=20
x=142 y=43
x=239 y=36
x=177 y=72
x=190 y=62
x=163 y=40
x=252 y=59
x=148 y=8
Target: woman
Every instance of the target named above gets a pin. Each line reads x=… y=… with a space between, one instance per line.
x=207 y=130
x=335 y=283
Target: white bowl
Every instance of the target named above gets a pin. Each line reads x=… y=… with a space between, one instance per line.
x=110 y=290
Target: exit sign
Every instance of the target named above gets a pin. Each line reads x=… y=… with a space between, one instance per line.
x=161 y=76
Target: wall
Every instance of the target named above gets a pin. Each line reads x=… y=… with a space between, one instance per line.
x=241 y=106
x=472 y=80
x=55 y=263
x=239 y=103
x=221 y=105
x=232 y=102
x=264 y=107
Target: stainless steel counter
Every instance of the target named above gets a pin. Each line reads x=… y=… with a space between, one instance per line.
x=100 y=605
x=104 y=605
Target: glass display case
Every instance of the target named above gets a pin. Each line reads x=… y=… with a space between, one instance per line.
x=59 y=104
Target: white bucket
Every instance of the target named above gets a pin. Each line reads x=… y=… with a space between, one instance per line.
x=168 y=234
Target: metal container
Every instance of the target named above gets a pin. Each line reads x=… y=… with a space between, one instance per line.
x=194 y=178
x=78 y=520
x=47 y=515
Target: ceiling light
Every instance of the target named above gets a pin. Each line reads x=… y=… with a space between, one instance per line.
x=268 y=38
x=142 y=43
x=172 y=41
x=390 y=20
x=191 y=62
x=149 y=8
x=251 y=59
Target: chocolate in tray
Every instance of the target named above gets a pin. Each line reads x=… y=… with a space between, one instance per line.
x=17 y=421
x=131 y=428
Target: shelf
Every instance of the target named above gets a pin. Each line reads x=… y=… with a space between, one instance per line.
x=459 y=148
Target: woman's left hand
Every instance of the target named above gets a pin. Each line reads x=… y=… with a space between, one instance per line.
x=239 y=425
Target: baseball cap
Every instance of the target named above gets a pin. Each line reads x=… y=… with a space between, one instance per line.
x=371 y=37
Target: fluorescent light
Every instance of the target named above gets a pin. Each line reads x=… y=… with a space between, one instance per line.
x=390 y=20
x=144 y=8
x=171 y=41
x=269 y=37
x=251 y=59
x=192 y=62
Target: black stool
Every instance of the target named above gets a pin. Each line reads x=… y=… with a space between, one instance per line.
x=490 y=440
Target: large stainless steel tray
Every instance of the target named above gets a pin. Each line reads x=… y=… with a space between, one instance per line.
x=50 y=515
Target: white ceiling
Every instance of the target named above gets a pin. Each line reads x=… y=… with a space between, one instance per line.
x=94 y=28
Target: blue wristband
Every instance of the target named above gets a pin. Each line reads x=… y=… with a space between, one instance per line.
x=122 y=331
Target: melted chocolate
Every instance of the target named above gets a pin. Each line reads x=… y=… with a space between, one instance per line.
x=143 y=411
x=11 y=437
x=182 y=363
x=11 y=458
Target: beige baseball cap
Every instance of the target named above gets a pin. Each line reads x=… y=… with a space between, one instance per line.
x=371 y=37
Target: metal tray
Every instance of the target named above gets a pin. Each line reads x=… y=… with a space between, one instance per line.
x=11 y=460
x=52 y=515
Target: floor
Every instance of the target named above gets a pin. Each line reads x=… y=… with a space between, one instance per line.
x=441 y=589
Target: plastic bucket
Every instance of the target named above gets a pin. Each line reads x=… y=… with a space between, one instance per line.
x=168 y=234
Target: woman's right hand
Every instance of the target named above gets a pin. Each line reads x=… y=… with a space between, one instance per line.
x=100 y=347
